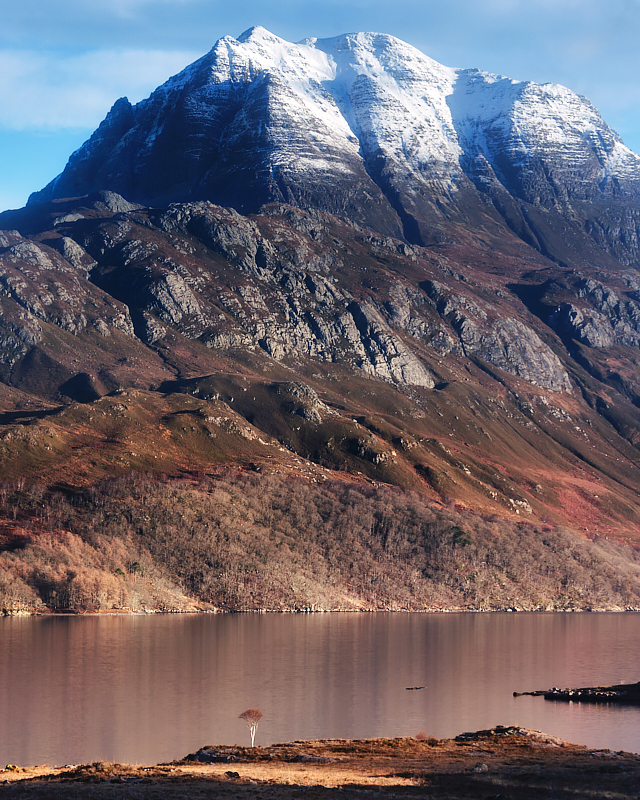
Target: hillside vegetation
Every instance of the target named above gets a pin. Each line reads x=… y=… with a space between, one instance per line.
x=245 y=541
x=330 y=317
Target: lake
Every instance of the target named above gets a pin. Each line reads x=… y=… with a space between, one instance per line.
x=144 y=689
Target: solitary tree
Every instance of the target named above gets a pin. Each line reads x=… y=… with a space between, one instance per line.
x=252 y=717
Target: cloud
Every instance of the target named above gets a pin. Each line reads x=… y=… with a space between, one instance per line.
x=527 y=7
x=95 y=23
x=129 y=8
x=46 y=91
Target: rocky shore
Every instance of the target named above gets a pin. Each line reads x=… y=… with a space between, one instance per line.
x=627 y=693
x=501 y=762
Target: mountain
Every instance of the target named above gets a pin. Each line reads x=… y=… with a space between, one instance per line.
x=366 y=127
x=335 y=262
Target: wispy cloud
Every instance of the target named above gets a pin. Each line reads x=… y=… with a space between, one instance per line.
x=46 y=91
x=129 y=8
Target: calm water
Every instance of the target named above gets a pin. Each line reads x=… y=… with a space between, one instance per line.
x=147 y=689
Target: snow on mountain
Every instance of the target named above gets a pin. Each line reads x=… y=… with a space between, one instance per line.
x=362 y=125
x=373 y=90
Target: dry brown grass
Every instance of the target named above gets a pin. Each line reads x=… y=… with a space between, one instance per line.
x=506 y=763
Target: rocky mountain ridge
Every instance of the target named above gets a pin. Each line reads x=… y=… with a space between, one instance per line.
x=306 y=342
x=336 y=258
x=366 y=127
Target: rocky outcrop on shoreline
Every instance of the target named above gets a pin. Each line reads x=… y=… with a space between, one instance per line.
x=628 y=693
x=621 y=693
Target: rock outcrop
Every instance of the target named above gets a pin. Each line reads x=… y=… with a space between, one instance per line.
x=39 y=285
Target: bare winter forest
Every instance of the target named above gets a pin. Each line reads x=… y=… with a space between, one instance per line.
x=245 y=541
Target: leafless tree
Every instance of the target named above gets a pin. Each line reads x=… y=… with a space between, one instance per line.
x=252 y=717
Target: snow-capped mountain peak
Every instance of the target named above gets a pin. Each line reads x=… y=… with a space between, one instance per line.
x=363 y=125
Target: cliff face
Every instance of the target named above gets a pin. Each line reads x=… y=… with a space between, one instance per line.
x=286 y=284
x=186 y=337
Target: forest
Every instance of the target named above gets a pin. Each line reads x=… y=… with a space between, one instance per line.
x=243 y=541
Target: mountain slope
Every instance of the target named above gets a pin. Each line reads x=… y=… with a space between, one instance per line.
x=335 y=261
x=302 y=337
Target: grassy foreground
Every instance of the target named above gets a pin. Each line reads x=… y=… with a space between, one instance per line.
x=510 y=763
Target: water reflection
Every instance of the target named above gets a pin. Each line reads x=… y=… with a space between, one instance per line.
x=145 y=689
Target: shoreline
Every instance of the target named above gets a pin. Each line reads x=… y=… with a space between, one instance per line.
x=7 y=614
x=502 y=761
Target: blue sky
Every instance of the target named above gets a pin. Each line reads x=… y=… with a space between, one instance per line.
x=63 y=64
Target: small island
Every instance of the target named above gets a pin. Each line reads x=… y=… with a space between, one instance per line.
x=624 y=693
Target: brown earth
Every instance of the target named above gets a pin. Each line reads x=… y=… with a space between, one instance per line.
x=499 y=763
